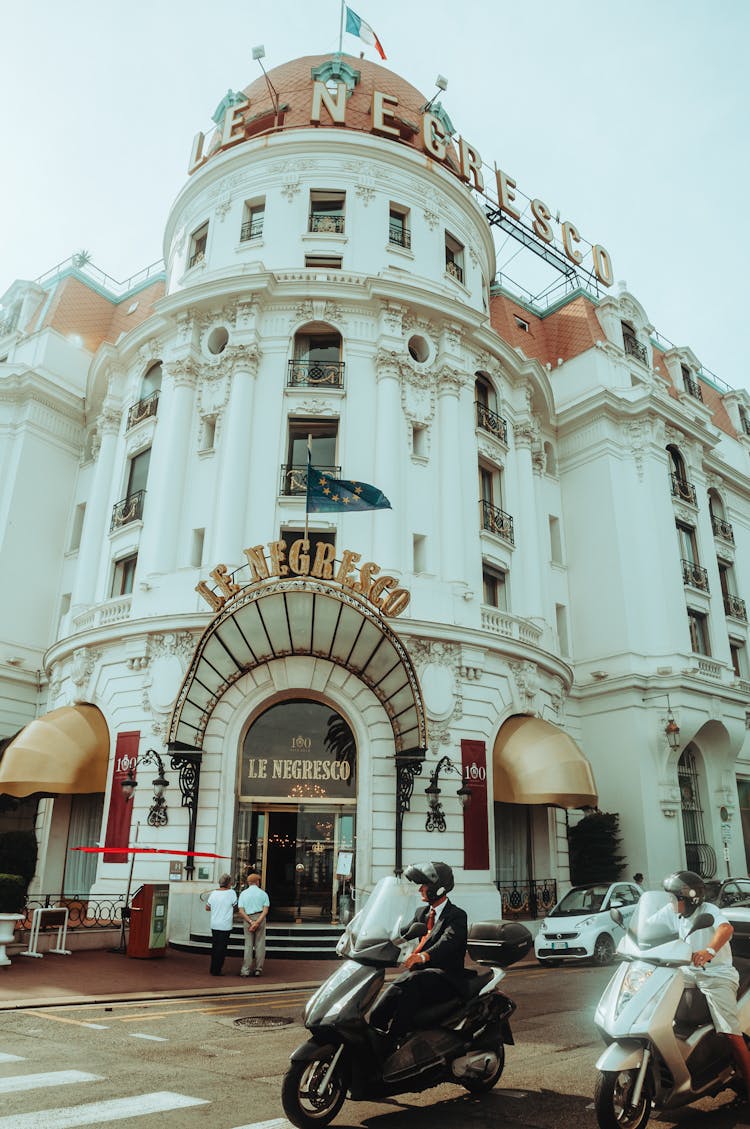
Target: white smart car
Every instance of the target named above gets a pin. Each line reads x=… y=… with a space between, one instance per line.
x=579 y=927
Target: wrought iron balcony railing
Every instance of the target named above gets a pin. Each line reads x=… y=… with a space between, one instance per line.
x=496 y=521
x=294 y=477
x=399 y=235
x=528 y=899
x=694 y=576
x=692 y=387
x=683 y=490
x=129 y=509
x=83 y=912
x=253 y=229
x=722 y=529
x=454 y=269
x=197 y=257
x=490 y=421
x=634 y=347
x=144 y=409
x=326 y=222
x=735 y=607
x=315 y=374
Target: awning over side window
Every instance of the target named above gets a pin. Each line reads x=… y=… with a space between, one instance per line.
x=67 y=751
x=535 y=762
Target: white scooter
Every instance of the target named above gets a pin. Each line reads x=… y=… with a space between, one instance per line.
x=663 y=1051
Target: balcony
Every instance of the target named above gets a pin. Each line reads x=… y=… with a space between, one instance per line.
x=496 y=521
x=128 y=510
x=735 y=607
x=694 y=576
x=722 y=529
x=498 y=622
x=692 y=387
x=326 y=223
x=634 y=348
x=452 y=268
x=531 y=899
x=399 y=235
x=144 y=409
x=253 y=229
x=683 y=490
x=113 y=611
x=294 y=477
x=315 y=374
x=491 y=422
x=197 y=257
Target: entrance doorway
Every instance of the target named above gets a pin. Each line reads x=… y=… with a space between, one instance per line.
x=304 y=855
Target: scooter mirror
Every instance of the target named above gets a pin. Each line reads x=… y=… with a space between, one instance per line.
x=416 y=930
x=616 y=916
x=703 y=921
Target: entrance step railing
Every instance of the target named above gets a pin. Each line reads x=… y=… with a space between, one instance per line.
x=285 y=942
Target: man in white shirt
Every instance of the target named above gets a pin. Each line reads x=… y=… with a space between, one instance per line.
x=220 y=905
x=253 y=905
x=712 y=970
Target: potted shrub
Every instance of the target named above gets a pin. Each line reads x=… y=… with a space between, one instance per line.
x=18 y=855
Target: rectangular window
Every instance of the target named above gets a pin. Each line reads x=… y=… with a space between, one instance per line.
x=698 y=624
x=561 y=619
x=555 y=540
x=419 y=441
x=253 y=215
x=196 y=547
x=494 y=588
x=521 y=323
x=122 y=576
x=688 y=545
x=323 y=436
x=77 y=527
x=490 y=489
x=327 y=212
x=198 y=241
x=138 y=472
x=398 y=226
x=323 y=262
x=739 y=658
x=454 y=257
x=208 y=433
x=419 y=552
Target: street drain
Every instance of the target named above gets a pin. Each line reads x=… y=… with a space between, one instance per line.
x=262 y=1021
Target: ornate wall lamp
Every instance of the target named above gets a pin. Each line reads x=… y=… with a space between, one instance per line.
x=672 y=729
x=435 y=815
x=157 y=813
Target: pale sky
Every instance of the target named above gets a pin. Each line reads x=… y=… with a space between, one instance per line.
x=631 y=119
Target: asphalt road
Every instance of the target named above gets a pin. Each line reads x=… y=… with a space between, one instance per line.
x=190 y=1063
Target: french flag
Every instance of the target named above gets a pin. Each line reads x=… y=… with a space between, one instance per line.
x=355 y=25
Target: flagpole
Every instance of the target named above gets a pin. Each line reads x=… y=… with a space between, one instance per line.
x=307 y=483
x=341 y=26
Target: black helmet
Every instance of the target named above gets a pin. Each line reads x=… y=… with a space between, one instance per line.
x=436 y=876
x=688 y=885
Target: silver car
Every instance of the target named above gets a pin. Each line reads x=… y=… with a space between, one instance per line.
x=579 y=927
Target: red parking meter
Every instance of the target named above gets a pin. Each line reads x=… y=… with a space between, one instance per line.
x=148 y=922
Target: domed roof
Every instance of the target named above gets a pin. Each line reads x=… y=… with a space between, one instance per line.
x=293 y=83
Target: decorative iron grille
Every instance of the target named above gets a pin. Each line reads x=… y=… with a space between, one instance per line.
x=326 y=223
x=699 y=855
x=491 y=422
x=144 y=409
x=454 y=269
x=722 y=529
x=694 y=576
x=83 y=912
x=294 y=477
x=129 y=509
x=683 y=490
x=495 y=520
x=252 y=229
x=692 y=387
x=533 y=899
x=735 y=606
x=316 y=374
x=634 y=347
x=399 y=235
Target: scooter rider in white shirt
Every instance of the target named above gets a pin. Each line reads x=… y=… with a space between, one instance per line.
x=712 y=971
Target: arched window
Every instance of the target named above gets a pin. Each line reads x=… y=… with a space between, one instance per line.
x=148 y=401
x=485 y=401
x=681 y=488
x=317 y=358
x=151 y=380
x=699 y=855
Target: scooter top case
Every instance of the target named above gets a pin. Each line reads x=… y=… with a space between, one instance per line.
x=500 y=943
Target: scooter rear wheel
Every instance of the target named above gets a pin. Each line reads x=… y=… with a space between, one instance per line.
x=483 y=1085
x=307 y=1105
x=612 y=1101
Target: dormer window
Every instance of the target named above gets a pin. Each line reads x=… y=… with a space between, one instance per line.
x=198 y=242
x=691 y=385
x=521 y=324
x=631 y=344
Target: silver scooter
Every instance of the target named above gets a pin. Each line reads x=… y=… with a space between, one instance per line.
x=460 y=1041
x=663 y=1050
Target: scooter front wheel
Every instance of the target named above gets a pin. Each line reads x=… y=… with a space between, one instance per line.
x=307 y=1103
x=482 y=1084
x=612 y=1100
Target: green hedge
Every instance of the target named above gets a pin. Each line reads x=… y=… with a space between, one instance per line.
x=18 y=853
x=12 y=893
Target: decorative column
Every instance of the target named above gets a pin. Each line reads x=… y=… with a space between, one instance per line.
x=231 y=505
x=97 y=517
x=449 y=474
x=168 y=469
x=389 y=426
x=527 y=580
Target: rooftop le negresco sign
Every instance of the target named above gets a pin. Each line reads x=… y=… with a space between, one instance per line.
x=240 y=123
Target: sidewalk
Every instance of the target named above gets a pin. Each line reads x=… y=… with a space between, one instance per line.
x=98 y=975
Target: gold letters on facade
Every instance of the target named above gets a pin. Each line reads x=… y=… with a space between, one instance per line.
x=275 y=560
x=328 y=107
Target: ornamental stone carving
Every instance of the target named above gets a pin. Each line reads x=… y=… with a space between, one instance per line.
x=242 y=358
x=393 y=318
x=167 y=658
x=304 y=311
x=183 y=372
x=438 y=666
x=526 y=678
x=223 y=205
x=635 y=435
x=431 y=208
x=81 y=669
x=318 y=407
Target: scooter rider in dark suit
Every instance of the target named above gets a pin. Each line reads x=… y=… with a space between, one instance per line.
x=435 y=970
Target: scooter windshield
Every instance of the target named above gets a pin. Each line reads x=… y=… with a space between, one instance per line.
x=647 y=925
x=389 y=908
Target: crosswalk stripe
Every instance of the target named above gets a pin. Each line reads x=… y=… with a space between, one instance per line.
x=21 y=1082
x=98 y=1113
x=153 y=1038
x=10 y=1058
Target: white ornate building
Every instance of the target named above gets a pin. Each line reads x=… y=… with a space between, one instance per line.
x=569 y=522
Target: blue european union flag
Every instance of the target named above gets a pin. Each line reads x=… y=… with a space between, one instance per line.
x=326 y=494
